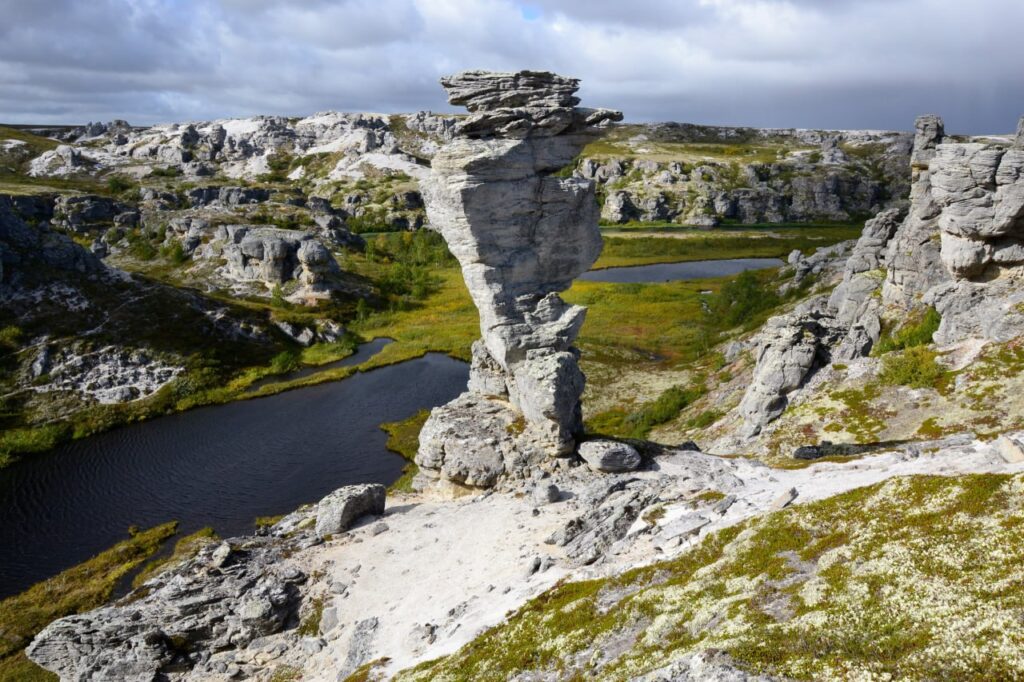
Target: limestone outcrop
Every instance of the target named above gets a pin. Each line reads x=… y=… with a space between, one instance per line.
x=208 y=616
x=791 y=346
x=959 y=249
x=521 y=233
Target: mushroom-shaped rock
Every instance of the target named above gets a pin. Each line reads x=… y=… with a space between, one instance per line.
x=521 y=233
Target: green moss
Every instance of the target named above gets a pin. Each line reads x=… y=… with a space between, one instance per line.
x=708 y=496
x=184 y=549
x=404 y=439
x=363 y=673
x=704 y=419
x=267 y=521
x=309 y=626
x=858 y=416
x=10 y=337
x=931 y=429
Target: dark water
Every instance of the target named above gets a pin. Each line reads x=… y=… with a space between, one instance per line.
x=362 y=354
x=670 y=272
x=216 y=466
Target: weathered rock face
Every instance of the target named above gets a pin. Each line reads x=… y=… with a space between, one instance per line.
x=270 y=257
x=208 y=617
x=791 y=347
x=960 y=248
x=970 y=196
x=227 y=196
x=521 y=234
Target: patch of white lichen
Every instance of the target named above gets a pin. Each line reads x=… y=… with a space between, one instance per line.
x=917 y=578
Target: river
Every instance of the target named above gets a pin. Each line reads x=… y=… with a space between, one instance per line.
x=219 y=466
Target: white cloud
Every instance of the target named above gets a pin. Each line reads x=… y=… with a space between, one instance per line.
x=809 y=63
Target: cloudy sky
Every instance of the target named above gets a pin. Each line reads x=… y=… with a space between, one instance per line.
x=804 y=63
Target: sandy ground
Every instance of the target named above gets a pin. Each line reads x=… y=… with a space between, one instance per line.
x=439 y=571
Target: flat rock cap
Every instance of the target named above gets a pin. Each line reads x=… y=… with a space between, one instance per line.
x=489 y=90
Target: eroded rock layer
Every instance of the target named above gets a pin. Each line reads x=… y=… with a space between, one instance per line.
x=959 y=249
x=521 y=232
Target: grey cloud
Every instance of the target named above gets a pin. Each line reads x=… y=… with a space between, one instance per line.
x=806 y=63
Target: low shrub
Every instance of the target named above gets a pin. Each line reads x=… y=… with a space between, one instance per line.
x=911 y=334
x=915 y=367
x=284 y=362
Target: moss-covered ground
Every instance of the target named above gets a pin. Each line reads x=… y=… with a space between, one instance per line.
x=912 y=579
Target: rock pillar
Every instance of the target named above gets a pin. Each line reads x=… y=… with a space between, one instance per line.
x=521 y=230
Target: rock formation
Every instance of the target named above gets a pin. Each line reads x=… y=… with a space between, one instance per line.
x=960 y=249
x=521 y=233
x=193 y=619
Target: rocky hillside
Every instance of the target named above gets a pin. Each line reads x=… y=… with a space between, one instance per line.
x=914 y=331
x=81 y=338
x=370 y=166
x=895 y=356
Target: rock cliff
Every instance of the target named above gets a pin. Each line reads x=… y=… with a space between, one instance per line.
x=521 y=233
x=959 y=249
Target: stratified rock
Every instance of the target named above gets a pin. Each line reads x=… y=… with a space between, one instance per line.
x=489 y=90
x=609 y=456
x=929 y=133
x=81 y=213
x=790 y=347
x=227 y=196
x=521 y=234
x=338 y=511
x=253 y=253
x=221 y=600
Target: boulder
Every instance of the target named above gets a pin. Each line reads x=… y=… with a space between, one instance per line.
x=610 y=457
x=338 y=511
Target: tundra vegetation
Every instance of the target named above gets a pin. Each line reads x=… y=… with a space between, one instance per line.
x=913 y=579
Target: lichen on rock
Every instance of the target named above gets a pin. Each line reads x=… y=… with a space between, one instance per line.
x=521 y=233
x=959 y=249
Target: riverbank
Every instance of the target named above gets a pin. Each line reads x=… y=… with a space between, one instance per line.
x=427 y=580
x=220 y=466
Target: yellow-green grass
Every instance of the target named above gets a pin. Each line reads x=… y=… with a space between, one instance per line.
x=83 y=587
x=618 y=143
x=666 y=246
x=184 y=549
x=404 y=439
x=915 y=578
x=446 y=322
x=35 y=142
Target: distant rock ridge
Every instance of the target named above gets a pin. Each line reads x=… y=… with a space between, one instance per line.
x=521 y=233
x=959 y=249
